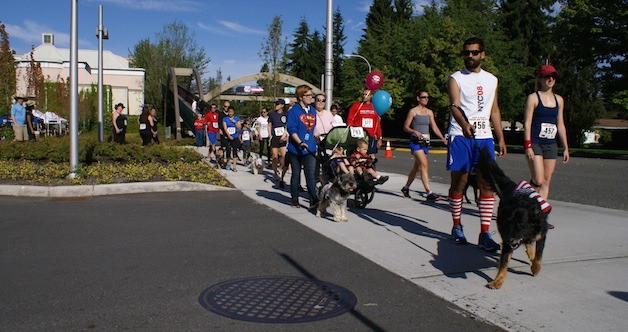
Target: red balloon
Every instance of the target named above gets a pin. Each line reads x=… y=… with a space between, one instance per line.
x=374 y=80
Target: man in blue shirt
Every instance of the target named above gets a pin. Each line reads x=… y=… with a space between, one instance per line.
x=18 y=118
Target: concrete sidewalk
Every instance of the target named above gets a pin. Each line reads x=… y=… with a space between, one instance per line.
x=582 y=285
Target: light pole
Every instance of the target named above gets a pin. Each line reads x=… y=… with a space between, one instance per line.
x=329 y=60
x=73 y=88
x=101 y=34
x=361 y=57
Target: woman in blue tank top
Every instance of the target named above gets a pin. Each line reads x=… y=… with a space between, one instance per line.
x=418 y=123
x=543 y=120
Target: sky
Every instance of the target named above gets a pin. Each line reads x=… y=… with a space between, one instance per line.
x=230 y=31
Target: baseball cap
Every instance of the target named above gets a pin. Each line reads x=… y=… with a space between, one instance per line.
x=280 y=102
x=548 y=70
x=119 y=104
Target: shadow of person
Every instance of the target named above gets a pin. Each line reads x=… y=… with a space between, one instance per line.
x=453 y=260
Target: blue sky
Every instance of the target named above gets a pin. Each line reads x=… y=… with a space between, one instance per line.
x=231 y=31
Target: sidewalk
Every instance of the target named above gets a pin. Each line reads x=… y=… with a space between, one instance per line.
x=582 y=285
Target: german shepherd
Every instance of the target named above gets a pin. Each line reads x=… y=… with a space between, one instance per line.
x=519 y=219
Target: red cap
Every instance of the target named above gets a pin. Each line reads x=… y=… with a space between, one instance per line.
x=547 y=70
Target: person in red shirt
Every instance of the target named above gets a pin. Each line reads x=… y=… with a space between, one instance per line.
x=362 y=114
x=213 y=126
x=199 y=130
x=362 y=163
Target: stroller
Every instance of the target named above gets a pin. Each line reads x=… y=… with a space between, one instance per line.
x=347 y=138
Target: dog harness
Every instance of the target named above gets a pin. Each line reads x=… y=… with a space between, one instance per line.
x=524 y=188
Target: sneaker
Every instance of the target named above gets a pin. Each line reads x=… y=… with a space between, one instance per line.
x=234 y=169
x=295 y=203
x=550 y=226
x=382 y=179
x=432 y=197
x=457 y=235
x=228 y=167
x=486 y=242
x=406 y=192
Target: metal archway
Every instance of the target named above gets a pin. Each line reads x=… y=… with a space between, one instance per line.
x=284 y=78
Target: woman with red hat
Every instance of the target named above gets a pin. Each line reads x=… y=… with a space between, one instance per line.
x=543 y=121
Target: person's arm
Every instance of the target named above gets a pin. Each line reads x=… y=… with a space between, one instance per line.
x=562 y=131
x=528 y=113
x=456 y=110
x=12 y=117
x=496 y=119
x=352 y=114
x=29 y=122
x=434 y=126
x=115 y=126
x=225 y=129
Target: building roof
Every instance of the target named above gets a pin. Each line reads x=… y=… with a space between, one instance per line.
x=611 y=124
x=50 y=53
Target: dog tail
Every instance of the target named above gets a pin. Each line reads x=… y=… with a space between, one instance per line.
x=494 y=175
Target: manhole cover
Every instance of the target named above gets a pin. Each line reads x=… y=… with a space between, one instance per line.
x=278 y=299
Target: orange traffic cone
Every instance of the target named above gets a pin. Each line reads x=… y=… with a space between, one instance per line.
x=388 y=153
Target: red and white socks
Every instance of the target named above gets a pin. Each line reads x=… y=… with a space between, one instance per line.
x=455 y=207
x=486 y=204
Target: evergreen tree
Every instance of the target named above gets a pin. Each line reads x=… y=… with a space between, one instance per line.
x=298 y=55
x=7 y=71
x=338 y=49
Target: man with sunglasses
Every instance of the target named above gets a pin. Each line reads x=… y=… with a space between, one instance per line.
x=473 y=98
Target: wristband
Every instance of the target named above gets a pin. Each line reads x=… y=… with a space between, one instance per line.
x=527 y=144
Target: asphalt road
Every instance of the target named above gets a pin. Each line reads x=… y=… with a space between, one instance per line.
x=140 y=262
x=590 y=181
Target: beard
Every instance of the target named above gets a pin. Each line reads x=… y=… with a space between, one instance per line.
x=471 y=63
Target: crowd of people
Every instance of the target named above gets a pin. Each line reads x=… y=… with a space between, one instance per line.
x=289 y=137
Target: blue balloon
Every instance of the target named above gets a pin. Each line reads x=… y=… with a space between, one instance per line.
x=381 y=102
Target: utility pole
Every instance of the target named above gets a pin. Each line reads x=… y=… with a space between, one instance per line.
x=101 y=34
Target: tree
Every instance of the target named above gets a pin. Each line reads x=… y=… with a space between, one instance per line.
x=299 y=56
x=34 y=78
x=7 y=70
x=273 y=54
x=175 y=46
x=338 y=48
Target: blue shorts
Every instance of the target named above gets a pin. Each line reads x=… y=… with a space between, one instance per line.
x=414 y=147
x=212 y=138
x=462 y=155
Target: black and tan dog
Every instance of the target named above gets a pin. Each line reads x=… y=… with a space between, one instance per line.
x=519 y=219
x=335 y=194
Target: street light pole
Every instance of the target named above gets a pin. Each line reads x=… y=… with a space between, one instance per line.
x=361 y=57
x=73 y=88
x=101 y=34
x=329 y=60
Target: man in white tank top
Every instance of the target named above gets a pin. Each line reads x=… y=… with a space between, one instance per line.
x=473 y=97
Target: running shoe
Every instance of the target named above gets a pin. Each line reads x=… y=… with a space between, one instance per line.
x=228 y=167
x=432 y=197
x=486 y=242
x=457 y=236
x=550 y=226
x=406 y=192
x=382 y=179
x=295 y=203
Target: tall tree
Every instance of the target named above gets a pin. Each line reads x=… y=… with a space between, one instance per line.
x=34 y=77
x=338 y=48
x=7 y=70
x=298 y=54
x=273 y=54
x=174 y=46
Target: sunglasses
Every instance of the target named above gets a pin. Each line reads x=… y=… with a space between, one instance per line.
x=424 y=97
x=474 y=52
x=320 y=100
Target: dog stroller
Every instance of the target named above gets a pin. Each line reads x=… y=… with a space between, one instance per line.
x=347 y=138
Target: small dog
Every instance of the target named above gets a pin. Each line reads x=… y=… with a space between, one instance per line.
x=221 y=162
x=335 y=194
x=520 y=219
x=256 y=164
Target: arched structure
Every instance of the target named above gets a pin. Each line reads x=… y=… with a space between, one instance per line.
x=288 y=79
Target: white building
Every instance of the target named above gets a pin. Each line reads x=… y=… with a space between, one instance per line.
x=127 y=84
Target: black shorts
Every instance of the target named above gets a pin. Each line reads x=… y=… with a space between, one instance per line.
x=548 y=151
x=276 y=142
x=372 y=149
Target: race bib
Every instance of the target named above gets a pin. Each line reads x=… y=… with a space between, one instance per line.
x=231 y=130
x=142 y=126
x=125 y=123
x=215 y=125
x=548 y=131
x=357 y=132
x=481 y=126
x=367 y=123
x=246 y=136
x=279 y=131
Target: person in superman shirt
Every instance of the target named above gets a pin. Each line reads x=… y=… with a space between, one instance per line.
x=362 y=114
x=302 y=145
